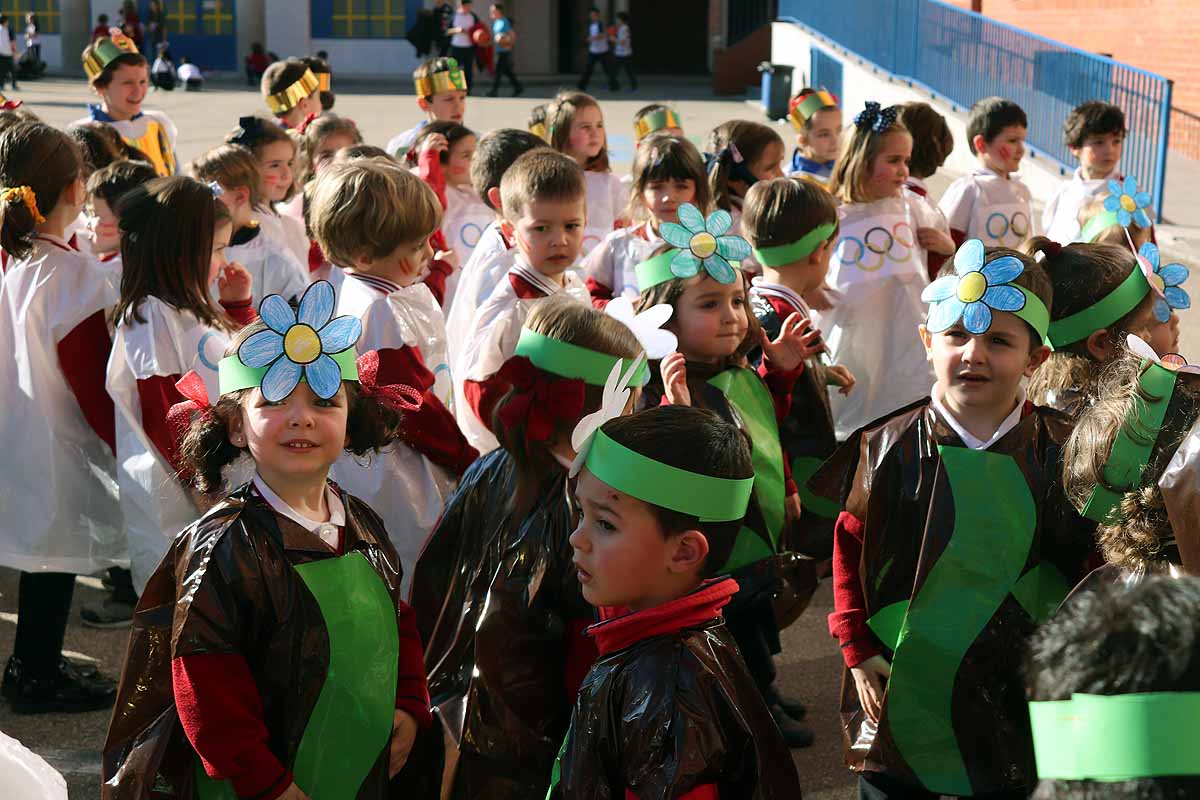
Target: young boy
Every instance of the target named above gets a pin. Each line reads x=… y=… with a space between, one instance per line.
x=654 y=118
x=932 y=145
x=663 y=494
x=120 y=76
x=1095 y=134
x=441 y=93
x=292 y=92
x=991 y=203
x=374 y=220
x=815 y=115
x=542 y=198
x=105 y=188
x=954 y=540
x=1112 y=681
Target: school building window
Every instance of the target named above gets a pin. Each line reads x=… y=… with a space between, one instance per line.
x=47 y=11
x=359 y=19
x=200 y=17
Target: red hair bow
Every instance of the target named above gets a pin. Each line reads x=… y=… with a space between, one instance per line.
x=537 y=400
x=396 y=396
x=179 y=417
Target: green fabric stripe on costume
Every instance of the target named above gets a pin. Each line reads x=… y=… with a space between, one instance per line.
x=803 y=468
x=994 y=523
x=750 y=397
x=887 y=622
x=556 y=770
x=1041 y=591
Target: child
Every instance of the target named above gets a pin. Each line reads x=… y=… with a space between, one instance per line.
x=374 y=220
x=190 y=75
x=543 y=197
x=249 y=647
x=167 y=325
x=119 y=75
x=1095 y=134
x=792 y=226
x=495 y=591
x=991 y=203
x=662 y=495
x=292 y=92
x=537 y=122
x=1102 y=293
x=623 y=51
x=576 y=126
x=932 y=144
x=105 y=188
x=323 y=138
x=256 y=64
x=667 y=172
x=739 y=153
x=233 y=171
x=1100 y=225
x=441 y=94
x=320 y=68
x=162 y=72
x=504 y=36
x=61 y=512
x=1119 y=660
x=924 y=597
x=877 y=275
x=276 y=154
x=817 y=118
x=654 y=118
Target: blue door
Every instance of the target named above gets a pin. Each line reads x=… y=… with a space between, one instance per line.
x=203 y=30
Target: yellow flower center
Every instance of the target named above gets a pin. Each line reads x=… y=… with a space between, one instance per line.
x=1158 y=283
x=1128 y=203
x=971 y=287
x=703 y=245
x=302 y=344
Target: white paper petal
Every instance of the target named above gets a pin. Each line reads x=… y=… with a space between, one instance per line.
x=1140 y=348
x=646 y=326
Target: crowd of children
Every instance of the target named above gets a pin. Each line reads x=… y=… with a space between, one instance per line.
x=467 y=468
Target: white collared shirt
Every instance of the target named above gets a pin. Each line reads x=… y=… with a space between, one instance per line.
x=327 y=531
x=760 y=286
x=969 y=440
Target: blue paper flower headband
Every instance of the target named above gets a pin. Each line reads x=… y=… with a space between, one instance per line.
x=875 y=117
x=698 y=243
x=1126 y=204
x=1168 y=280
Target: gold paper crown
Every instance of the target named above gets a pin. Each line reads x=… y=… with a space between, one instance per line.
x=450 y=79
x=656 y=121
x=324 y=80
x=802 y=108
x=289 y=98
x=106 y=50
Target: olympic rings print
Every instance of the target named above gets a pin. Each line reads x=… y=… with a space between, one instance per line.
x=999 y=226
x=469 y=234
x=878 y=246
x=202 y=346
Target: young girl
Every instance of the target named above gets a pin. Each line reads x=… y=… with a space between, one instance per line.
x=1098 y=223
x=815 y=115
x=738 y=154
x=1102 y=293
x=323 y=138
x=173 y=233
x=275 y=150
x=932 y=144
x=878 y=274
x=272 y=655
x=716 y=330
x=499 y=606
x=273 y=269
x=576 y=127
x=654 y=118
x=61 y=512
x=667 y=172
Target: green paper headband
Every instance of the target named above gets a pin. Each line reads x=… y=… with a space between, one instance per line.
x=1098 y=225
x=801 y=248
x=708 y=498
x=1036 y=314
x=657 y=270
x=655 y=121
x=572 y=361
x=1116 y=304
x=1131 y=448
x=234 y=375
x=1111 y=738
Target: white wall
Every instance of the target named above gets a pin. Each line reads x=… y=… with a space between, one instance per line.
x=288 y=26
x=52 y=51
x=391 y=58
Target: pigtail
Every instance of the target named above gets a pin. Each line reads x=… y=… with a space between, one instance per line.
x=37 y=164
x=1138 y=540
x=370 y=424
x=206 y=449
x=1048 y=248
x=17 y=221
x=719 y=167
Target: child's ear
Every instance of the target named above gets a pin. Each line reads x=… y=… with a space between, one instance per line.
x=241 y=196
x=507 y=228
x=1036 y=359
x=691 y=548
x=1075 y=151
x=236 y=429
x=493 y=195
x=423 y=104
x=927 y=340
x=1099 y=346
x=819 y=256
x=980 y=144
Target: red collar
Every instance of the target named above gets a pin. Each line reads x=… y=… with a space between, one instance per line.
x=782 y=307
x=921 y=190
x=702 y=605
x=524 y=282
x=109 y=257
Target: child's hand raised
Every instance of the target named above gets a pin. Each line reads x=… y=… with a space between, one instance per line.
x=234 y=283
x=404 y=733
x=840 y=375
x=868 y=680
x=674 y=377
x=293 y=792
x=435 y=142
x=936 y=241
x=798 y=340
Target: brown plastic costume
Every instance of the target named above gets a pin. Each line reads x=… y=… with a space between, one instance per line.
x=899 y=478
x=229 y=584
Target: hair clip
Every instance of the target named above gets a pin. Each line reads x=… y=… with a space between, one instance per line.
x=876 y=118
x=737 y=154
x=249 y=131
x=1050 y=249
x=216 y=188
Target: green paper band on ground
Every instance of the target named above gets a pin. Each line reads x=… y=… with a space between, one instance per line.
x=571 y=361
x=708 y=498
x=793 y=252
x=1116 y=304
x=233 y=375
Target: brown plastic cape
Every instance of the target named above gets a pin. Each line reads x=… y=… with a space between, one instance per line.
x=496 y=602
x=890 y=475
x=227 y=586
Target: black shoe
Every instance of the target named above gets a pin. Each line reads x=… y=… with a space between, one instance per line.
x=517 y=92
x=63 y=690
x=794 y=734
x=85 y=669
x=111 y=612
x=790 y=705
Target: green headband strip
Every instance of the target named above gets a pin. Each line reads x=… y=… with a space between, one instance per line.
x=234 y=375
x=1131 y=448
x=1112 y=738
x=1116 y=304
x=1098 y=225
x=801 y=248
x=656 y=121
x=1035 y=313
x=709 y=499
x=572 y=361
x=658 y=270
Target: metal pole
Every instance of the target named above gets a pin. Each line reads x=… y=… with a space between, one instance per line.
x=1164 y=134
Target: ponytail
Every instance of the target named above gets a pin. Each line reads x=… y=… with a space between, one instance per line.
x=37 y=164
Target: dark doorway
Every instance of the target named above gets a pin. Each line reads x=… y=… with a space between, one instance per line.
x=667 y=39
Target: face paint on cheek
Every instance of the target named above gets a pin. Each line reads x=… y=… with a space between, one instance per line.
x=1004 y=152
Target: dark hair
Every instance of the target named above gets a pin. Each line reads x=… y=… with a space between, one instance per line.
x=498 y=6
x=784 y=210
x=257 y=49
x=750 y=139
x=1120 y=639
x=318 y=131
x=99 y=144
x=255 y=133
x=110 y=183
x=495 y=152
x=991 y=115
x=932 y=140
x=1091 y=119
x=320 y=66
x=46 y=160
x=623 y=16
x=280 y=75
x=358 y=151
x=541 y=174
x=695 y=440
x=124 y=60
x=560 y=115
x=11 y=116
x=103 y=18
x=661 y=156
x=167 y=228
x=206 y=449
x=429 y=67
x=453 y=131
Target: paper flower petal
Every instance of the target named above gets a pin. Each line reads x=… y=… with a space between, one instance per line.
x=1142 y=199
x=324 y=377
x=281 y=379
x=944 y=314
x=1149 y=251
x=1140 y=348
x=1130 y=185
x=944 y=287
x=1115 y=189
x=646 y=326
x=1112 y=202
x=261 y=349
x=1173 y=274
x=316 y=306
x=340 y=334
x=612 y=405
x=1002 y=270
x=1162 y=309
x=977 y=318
x=691 y=219
x=684 y=264
x=1177 y=298
x=1124 y=217
x=733 y=248
x=969 y=257
x=719 y=269
x=718 y=222
x=675 y=235
x=1004 y=298
x=276 y=313
x=1141 y=219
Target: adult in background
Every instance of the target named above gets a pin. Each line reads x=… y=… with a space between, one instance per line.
x=8 y=52
x=597 y=40
x=33 y=38
x=503 y=36
x=462 y=47
x=623 y=50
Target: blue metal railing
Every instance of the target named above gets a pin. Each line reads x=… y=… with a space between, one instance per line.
x=964 y=57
